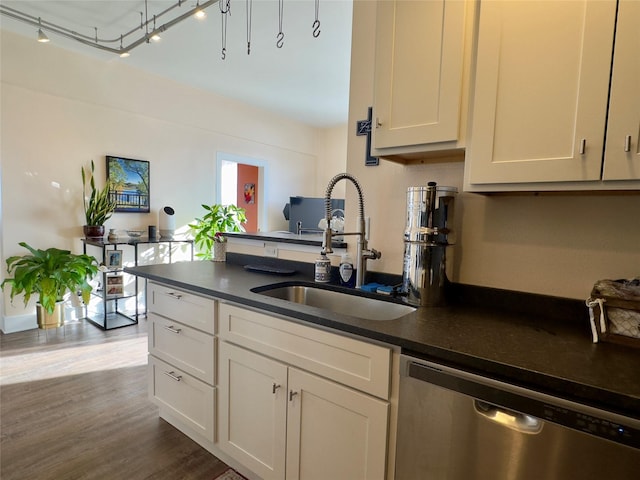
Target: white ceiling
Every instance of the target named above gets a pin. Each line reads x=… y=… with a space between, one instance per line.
x=306 y=80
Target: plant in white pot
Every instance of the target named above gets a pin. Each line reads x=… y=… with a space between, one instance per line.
x=98 y=206
x=208 y=231
x=50 y=274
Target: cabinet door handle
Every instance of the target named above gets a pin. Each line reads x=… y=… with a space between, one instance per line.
x=275 y=387
x=172 y=329
x=627 y=143
x=292 y=394
x=173 y=376
x=177 y=296
x=583 y=146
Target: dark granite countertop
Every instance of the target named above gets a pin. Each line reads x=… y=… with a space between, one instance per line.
x=529 y=347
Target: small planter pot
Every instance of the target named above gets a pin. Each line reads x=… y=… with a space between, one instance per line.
x=219 y=251
x=48 y=320
x=94 y=231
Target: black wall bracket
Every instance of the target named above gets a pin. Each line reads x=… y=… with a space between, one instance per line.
x=364 y=128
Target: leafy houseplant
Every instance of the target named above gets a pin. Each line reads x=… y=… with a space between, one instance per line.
x=217 y=220
x=50 y=274
x=98 y=207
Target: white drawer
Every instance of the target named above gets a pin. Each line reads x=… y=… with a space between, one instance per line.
x=188 y=399
x=185 y=307
x=351 y=362
x=182 y=346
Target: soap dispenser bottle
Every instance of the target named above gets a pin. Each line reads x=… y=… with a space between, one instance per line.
x=323 y=269
x=347 y=273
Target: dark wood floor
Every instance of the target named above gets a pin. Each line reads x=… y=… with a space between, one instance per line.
x=75 y=406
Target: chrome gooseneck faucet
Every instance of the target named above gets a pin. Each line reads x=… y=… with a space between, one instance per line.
x=363 y=253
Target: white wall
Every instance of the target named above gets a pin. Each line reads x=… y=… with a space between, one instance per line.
x=556 y=244
x=60 y=110
x=333 y=148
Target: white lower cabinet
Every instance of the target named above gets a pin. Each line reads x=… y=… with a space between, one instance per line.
x=286 y=421
x=270 y=396
x=252 y=424
x=189 y=349
x=189 y=400
x=282 y=422
x=333 y=431
x=182 y=351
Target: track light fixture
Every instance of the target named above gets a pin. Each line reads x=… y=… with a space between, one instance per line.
x=200 y=14
x=123 y=53
x=111 y=45
x=42 y=37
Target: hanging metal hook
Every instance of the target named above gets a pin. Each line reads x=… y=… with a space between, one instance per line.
x=280 y=36
x=249 y=18
x=316 y=24
x=227 y=5
x=223 y=29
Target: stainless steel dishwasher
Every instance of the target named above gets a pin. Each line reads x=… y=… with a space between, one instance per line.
x=455 y=425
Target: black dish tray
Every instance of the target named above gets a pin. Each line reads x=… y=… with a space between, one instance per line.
x=269 y=269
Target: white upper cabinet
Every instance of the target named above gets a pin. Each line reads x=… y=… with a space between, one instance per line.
x=418 y=76
x=540 y=100
x=622 y=151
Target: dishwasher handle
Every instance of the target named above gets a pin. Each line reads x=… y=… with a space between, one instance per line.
x=517 y=421
x=481 y=390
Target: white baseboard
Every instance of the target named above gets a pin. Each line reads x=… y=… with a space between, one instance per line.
x=18 y=323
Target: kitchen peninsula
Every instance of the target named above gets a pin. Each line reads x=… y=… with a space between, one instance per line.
x=273 y=247
x=532 y=341
x=283 y=236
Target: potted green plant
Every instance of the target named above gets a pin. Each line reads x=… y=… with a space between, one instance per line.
x=98 y=207
x=208 y=231
x=50 y=274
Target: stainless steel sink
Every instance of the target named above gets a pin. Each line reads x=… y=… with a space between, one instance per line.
x=337 y=301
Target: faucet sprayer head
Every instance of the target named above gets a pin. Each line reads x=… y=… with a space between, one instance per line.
x=329 y=190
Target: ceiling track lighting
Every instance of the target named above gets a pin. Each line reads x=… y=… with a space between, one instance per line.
x=151 y=32
x=109 y=45
x=42 y=37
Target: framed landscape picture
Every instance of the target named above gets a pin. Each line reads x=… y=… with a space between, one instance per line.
x=131 y=181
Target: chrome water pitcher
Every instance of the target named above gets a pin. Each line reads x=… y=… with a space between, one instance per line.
x=427 y=235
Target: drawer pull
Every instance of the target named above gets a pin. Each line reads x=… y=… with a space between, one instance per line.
x=173 y=376
x=291 y=395
x=172 y=329
x=177 y=296
x=275 y=387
